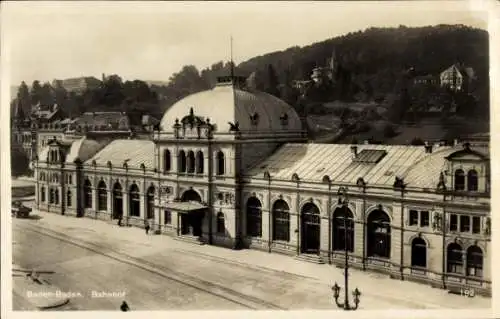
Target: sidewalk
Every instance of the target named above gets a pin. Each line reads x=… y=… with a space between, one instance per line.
x=374 y=287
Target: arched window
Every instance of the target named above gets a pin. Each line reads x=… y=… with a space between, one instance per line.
x=379 y=234
x=474 y=261
x=454 y=262
x=117 y=201
x=221 y=164
x=472 y=181
x=199 y=162
x=51 y=196
x=70 y=179
x=459 y=180
x=310 y=221
x=42 y=194
x=190 y=162
x=181 y=162
x=221 y=226
x=56 y=196
x=68 y=199
x=343 y=234
x=134 y=201
x=87 y=194
x=102 y=196
x=167 y=161
x=281 y=221
x=254 y=217
x=150 y=202
x=418 y=253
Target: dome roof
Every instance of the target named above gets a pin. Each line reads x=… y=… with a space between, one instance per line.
x=253 y=110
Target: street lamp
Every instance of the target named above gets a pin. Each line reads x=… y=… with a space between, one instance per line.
x=336 y=289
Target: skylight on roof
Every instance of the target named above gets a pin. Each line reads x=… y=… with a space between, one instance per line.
x=370 y=156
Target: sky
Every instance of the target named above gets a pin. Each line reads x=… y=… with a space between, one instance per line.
x=152 y=40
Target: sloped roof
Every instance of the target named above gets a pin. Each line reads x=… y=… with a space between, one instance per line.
x=135 y=152
x=102 y=119
x=84 y=148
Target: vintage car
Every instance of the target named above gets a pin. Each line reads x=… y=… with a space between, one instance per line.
x=19 y=210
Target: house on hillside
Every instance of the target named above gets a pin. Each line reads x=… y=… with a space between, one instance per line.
x=78 y=85
x=427 y=79
x=457 y=77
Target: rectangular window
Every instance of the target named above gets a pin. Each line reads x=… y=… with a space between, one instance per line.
x=476 y=224
x=453 y=222
x=413 y=217
x=167 y=217
x=464 y=223
x=424 y=218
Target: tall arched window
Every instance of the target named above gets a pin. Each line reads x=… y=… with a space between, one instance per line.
x=342 y=232
x=134 y=201
x=472 y=181
x=102 y=196
x=117 y=201
x=150 y=202
x=221 y=163
x=167 y=161
x=459 y=180
x=56 y=196
x=199 y=162
x=51 y=196
x=379 y=234
x=254 y=217
x=418 y=253
x=42 y=194
x=69 y=199
x=281 y=221
x=454 y=262
x=87 y=194
x=190 y=162
x=221 y=226
x=474 y=261
x=181 y=162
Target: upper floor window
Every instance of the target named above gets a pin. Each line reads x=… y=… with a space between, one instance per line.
x=459 y=180
x=166 y=161
x=220 y=163
x=190 y=162
x=182 y=162
x=199 y=162
x=418 y=218
x=472 y=181
x=462 y=223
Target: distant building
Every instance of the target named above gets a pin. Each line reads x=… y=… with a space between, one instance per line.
x=427 y=79
x=457 y=77
x=319 y=74
x=78 y=85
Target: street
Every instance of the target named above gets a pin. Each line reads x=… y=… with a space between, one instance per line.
x=104 y=264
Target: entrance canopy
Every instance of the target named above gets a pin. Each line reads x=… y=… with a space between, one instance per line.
x=185 y=207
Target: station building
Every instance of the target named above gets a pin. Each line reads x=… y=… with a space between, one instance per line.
x=232 y=167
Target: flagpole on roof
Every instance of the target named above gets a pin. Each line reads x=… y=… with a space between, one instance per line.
x=232 y=63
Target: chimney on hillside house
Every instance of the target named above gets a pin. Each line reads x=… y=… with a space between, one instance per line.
x=354 y=151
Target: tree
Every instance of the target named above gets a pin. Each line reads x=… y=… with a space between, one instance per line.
x=35 y=92
x=272 y=81
x=46 y=96
x=24 y=98
x=18 y=160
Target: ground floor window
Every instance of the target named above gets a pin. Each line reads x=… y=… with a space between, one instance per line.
x=454 y=259
x=221 y=226
x=68 y=199
x=56 y=196
x=474 y=261
x=167 y=217
x=42 y=194
x=418 y=253
x=51 y=196
x=281 y=221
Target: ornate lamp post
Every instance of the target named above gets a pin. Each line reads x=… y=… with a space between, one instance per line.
x=336 y=289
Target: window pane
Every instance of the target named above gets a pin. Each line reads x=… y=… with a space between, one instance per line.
x=476 y=224
x=453 y=222
x=464 y=223
x=424 y=218
x=413 y=217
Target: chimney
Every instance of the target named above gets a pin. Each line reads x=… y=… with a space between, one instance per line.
x=455 y=142
x=354 y=151
x=466 y=146
x=366 y=142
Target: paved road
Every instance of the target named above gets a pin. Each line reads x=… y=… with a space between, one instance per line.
x=78 y=270
x=160 y=273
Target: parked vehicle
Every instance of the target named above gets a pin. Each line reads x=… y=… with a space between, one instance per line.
x=19 y=210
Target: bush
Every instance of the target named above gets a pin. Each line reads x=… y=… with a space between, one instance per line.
x=19 y=162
